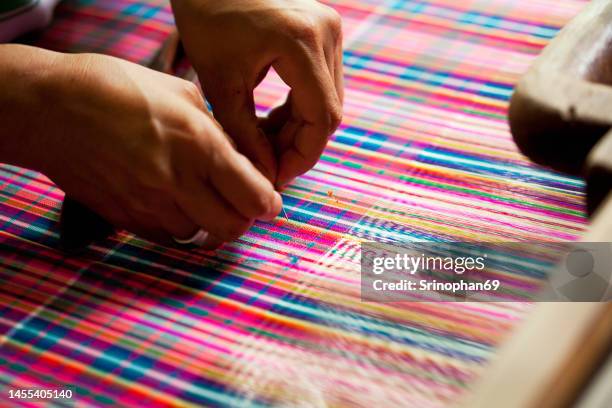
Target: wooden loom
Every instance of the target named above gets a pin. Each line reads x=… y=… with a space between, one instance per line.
x=561 y=116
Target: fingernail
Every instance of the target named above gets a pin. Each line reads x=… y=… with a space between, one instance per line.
x=277 y=205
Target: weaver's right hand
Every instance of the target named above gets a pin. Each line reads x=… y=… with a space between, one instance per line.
x=139 y=148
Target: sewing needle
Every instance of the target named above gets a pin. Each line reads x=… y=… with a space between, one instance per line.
x=285 y=212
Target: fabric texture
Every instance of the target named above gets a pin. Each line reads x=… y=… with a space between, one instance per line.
x=424 y=153
x=133 y=30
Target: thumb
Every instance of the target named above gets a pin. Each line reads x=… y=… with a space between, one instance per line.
x=233 y=106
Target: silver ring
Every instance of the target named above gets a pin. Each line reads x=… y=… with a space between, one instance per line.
x=198 y=239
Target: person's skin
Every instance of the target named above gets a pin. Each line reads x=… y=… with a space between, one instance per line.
x=233 y=43
x=134 y=145
x=140 y=148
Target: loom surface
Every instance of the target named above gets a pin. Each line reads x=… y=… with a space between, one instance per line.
x=424 y=153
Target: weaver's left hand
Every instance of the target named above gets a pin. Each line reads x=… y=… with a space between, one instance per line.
x=233 y=43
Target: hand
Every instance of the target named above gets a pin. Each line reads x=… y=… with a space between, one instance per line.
x=233 y=43
x=137 y=147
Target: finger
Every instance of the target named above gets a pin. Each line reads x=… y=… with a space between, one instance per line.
x=193 y=94
x=339 y=72
x=276 y=119
x=283 y=128
x=143 y=226
x=177 y=223
x=316 y=111
x=234 y=107
x=284 y=140
x=156 y=235
x=330 y=57
x=213 y=214
x=334 y=50
x=150 y=207
x=240 y=184
x=212 y=243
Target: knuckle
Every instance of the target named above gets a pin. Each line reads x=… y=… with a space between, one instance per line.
x=192 y=93
x=194 y=127
x=223 y=145
x=334 y=118
x=305 y=30
x=196 y=136
x=219 y=154
x=334 y=22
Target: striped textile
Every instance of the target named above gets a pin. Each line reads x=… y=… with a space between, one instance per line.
x=129 y=29
x=424 y=153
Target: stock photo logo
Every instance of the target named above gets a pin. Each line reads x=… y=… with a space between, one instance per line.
x=461 y=271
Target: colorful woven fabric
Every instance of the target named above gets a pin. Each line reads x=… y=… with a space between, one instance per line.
x=424 y=153
x=129 y=29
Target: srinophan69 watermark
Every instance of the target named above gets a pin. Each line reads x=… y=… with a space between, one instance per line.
x=461 y=271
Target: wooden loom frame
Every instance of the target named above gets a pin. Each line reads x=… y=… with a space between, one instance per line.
x=561 y=116
x=549 y=361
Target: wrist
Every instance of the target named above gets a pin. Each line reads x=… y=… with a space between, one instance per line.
x=25 y=74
